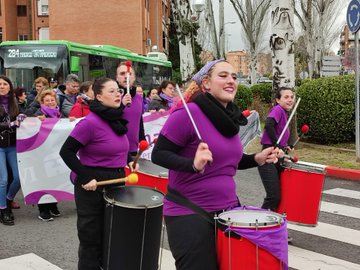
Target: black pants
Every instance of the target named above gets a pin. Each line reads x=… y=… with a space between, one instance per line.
x=46 y=207
x=90 y=219
x=192 y=242
x=270 y=177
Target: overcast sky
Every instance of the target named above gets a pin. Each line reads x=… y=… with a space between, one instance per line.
x=233 y=32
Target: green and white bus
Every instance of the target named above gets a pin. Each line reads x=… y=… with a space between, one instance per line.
x=24 y=61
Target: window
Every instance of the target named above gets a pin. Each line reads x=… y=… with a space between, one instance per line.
x=1 y=34
x=43 y=7
x=23 y=37
x=21 y=11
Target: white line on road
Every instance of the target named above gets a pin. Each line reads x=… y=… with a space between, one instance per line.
x=304 y=259
x=353 y=194
x=340 y=209
x=330 y=231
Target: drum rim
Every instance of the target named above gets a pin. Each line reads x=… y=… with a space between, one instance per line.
x=161 y=174
x=134 y=206
x=237 y=224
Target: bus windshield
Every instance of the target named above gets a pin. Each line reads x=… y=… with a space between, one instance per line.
x=24 y=63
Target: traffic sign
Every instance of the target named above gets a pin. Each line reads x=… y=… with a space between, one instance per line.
x=353 y=16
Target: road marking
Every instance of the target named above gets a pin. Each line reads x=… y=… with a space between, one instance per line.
x=330 y=231
x=168 y=261
x=304 y=259
x=28 y=261
x=353 y=194
x=340 y=209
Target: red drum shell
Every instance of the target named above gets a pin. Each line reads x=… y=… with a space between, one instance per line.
x=238 y=253
x=151 y=175
x=301 y=190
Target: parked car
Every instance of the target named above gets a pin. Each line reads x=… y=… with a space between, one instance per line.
x=264 y=80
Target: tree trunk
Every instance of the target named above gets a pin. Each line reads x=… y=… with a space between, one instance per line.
x=182 y=19
x=282 y=46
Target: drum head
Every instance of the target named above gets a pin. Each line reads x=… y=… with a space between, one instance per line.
x=250 y=218
x=134 y=197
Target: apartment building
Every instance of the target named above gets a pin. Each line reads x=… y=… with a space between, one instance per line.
x=241 y=62
x=137 y=25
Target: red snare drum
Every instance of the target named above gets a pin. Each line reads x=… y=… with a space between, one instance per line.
x=234 y=252
x=301 y=189
x=151 y=175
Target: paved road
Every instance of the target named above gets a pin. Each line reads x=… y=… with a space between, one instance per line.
x=333 y=244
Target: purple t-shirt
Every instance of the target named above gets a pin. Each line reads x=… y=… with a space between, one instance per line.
x=102 y=146
x=280 y=116
x=214 y=189
x=133 y=114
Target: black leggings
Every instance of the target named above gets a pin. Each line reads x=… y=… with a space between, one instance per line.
x=90 y=219
x=270 y=177
x=192 y=242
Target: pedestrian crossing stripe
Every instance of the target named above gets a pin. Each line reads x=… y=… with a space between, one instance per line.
x=304 y=259
x=340 y=209
x=329 y=231
x=353 y=194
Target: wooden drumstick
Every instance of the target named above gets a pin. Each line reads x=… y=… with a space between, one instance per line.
x=131 y=178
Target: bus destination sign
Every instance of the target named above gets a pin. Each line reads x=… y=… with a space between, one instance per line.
x=32 y=53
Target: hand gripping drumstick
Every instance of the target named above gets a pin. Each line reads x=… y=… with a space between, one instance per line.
x=128 y=70
x=131 y=178
x=143 y=145
x=292 y=158
x=288 y=122
x=304 y=129
x=188 y=112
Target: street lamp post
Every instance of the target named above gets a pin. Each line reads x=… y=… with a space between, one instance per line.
x=222 y=37
x=198 y=6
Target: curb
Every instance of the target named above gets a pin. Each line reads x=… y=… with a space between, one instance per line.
x=348 y=174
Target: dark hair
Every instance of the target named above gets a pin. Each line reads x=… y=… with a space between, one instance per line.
x=98 y=85
x=149 y=92
x=19 y=91
x=283 y=88
x=13 y=106
x=163 y=85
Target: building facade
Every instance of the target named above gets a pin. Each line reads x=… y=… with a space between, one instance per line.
x=136 y=25
x=240 y=60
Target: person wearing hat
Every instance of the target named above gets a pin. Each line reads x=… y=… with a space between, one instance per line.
x=53 y=83
x=202 y=163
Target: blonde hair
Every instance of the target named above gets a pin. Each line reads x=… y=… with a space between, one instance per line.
x=46 y=92
x=42 y=80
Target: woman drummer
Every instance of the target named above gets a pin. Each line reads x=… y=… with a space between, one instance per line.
x=102 y=146
x=202 y=169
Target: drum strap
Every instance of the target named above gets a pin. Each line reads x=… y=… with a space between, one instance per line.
x=176 y=197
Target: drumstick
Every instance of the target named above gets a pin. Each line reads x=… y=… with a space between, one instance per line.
x=188 y=112
x=131 y=178
x=288 y=122
x=304 y=129
x=128 y=70
x=143 y=145
x=292 y=158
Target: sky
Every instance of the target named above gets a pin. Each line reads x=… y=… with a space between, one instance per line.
x=233 y=32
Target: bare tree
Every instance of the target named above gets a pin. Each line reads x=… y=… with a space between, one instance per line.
x=318 y=20
x=207 y=35
x=185 y=30
x=253 y=16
